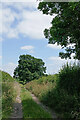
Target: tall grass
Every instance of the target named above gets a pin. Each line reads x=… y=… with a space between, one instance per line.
x=8 y=94
x=62 y=95
x=42 y=85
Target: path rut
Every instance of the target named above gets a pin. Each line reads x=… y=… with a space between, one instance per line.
x=54 y=116
x=17 y=106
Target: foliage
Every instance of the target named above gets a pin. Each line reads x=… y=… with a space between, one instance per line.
x=62 y=95
x=29 y=68
x=6 y=77
x=69 y=78
x=66 y=105
x=8 y=94
x=30 y=108
x=65 y=29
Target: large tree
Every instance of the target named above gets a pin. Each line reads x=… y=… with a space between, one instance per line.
x=65 y=29
x=29 y=68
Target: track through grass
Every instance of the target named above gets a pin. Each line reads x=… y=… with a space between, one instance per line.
x=30 y=108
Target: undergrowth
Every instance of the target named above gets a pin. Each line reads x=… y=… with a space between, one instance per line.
x=61 y=93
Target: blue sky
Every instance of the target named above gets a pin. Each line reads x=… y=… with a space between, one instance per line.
x=22 y=33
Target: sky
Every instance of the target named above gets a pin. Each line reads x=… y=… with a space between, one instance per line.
x=21 y=32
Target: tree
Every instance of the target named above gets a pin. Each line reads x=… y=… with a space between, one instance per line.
x=65 y=29
x=29 y=68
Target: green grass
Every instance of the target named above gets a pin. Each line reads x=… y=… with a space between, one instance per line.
x=7 y=99
x=6 y=77
x=8 y=94
x=0 y=95
x=30 y=108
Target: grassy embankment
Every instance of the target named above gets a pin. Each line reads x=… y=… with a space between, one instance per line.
x=8 y=94
x=42 y=85
x=60 y=92
x=30 y=108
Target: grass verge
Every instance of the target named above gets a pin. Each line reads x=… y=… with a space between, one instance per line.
x=8 y=94
x=42 y=85
x=30 y=108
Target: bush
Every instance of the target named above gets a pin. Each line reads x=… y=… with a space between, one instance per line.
x=63 y=103
x=60 y=92
x=69 y=78
x=65 y=97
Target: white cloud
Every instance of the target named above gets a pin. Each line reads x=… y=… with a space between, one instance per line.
x=1 y=39
x=54 y=46
x=23 y=5
x=54 y=64
x=12 y=33
x=62 y=60
x=8 y=18
x=55 y=58
x=31 y=51
x=28 y=47
x=9 y=68
x=33 y=24
x=0 y=57
x=30 y=21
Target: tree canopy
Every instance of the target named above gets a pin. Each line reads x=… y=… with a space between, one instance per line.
x=65 y=29
x=29 y=68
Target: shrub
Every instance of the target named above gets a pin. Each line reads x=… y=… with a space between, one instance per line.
x=65 y=97
x=61 y=92
x=69 y=78
x=59 y=100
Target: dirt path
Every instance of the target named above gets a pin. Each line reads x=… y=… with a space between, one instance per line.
x=17 y=107
x=44 y=107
